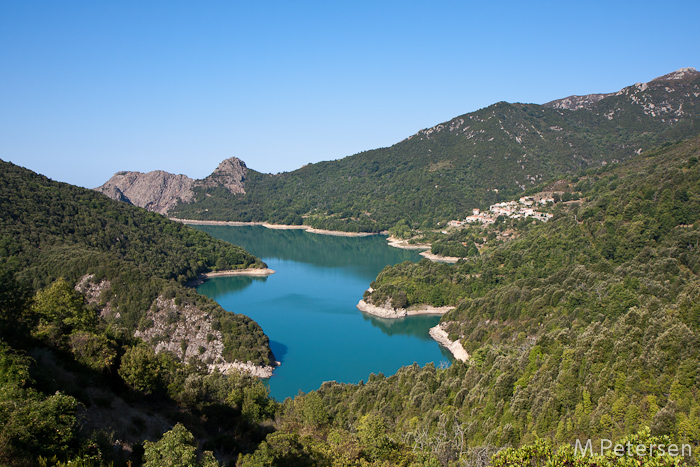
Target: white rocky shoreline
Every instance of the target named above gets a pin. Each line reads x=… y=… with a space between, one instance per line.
x=392 y=241
x=455 y=347
x=254 y=272
x=386 y=311
x=239 y=272
x=260 y=371
x=403 y=244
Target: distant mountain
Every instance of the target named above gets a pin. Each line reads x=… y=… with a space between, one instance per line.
x=159 y=191
x=443 y=172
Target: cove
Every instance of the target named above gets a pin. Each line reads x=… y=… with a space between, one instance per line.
x=308 y=307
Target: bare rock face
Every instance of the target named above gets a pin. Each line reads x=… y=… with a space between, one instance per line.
x=186 y=331
x=97 y=294
x=159 y=191
x=156 y=191
x=682 y=74
x=230 y=174
x=114 y=192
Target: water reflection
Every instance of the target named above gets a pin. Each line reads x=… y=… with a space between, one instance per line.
x=279 y=350
x=216 y=287
x=414 y=326
x=363 y=255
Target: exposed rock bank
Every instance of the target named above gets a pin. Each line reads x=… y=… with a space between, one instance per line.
x=398 y=243
x=387 y=311
x=187 y=332
x=261 y=371
x=438 y=258
x=339 y=233
x=239 y=272
x=440 y=335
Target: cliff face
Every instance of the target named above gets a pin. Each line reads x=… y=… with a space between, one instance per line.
x=230 y=174
x=159 y=191
x=156 y=191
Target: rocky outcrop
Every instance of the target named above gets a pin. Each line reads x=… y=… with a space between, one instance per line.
x=681 y=74
x=159 y=191
x=97 y=294
x=230 y=174
x=576 y=102
x=187 y=332
x=156 y=191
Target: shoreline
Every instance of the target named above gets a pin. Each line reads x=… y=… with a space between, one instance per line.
x=438 y=258
x=239 y=272
x=439 y=334
x=260 y=371
x=391 y=241
x=337 y=233
x=398 y=243
x=403 y=244
x=395 y=313
x=250 y=272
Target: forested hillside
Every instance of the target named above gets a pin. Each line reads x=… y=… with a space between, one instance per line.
x=74 y=381
x=585 y=327
x=472 y=161
x=51 y=230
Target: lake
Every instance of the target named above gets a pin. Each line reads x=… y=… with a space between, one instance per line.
x=308 y=307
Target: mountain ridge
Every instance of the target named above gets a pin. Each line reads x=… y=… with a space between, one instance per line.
x=470 y=161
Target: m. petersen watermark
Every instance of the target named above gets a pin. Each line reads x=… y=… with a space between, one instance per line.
x=630 y=449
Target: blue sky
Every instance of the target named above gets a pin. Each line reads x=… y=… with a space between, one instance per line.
x=90 y=88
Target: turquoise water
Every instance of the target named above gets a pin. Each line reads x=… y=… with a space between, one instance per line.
x=308 y=308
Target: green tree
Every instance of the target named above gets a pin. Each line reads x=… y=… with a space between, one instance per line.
x=141 y=369
x=176 y=448
x=60 y=310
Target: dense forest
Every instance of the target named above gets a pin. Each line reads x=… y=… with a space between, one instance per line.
x=79 y=275
x=585 y=327
x=77 y=391
x=51 y=230
x=472 y=161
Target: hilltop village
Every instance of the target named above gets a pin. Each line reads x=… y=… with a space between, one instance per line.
x=524 y=207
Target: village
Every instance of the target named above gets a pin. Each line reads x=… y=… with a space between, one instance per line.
x=524 y=207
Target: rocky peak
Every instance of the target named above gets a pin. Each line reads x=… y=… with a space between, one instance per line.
x=230 y=174
x=681 y=74
x=666 y=82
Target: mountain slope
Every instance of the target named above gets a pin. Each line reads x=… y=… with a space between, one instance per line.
x=586 y=327
x=102 y=346
x=472 y=161
x=127 y=257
